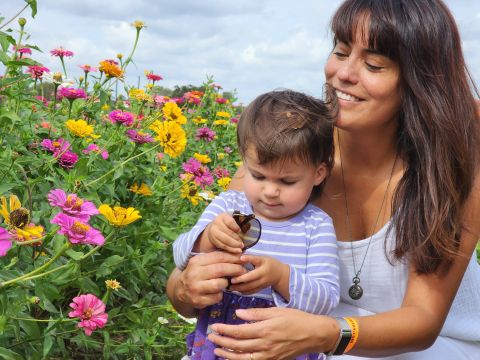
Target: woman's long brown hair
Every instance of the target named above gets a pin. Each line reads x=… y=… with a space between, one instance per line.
x=438 y=134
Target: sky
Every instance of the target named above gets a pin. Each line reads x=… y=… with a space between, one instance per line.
x=247 y=46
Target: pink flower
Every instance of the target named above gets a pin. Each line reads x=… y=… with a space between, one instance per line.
x=154 y=77
x=37 y=71
x=160 y=99
x=95 y=148
x=201 y=174
x=61 y=52
x=88 y=68
x=91 y=310
x=234 y=120
x=221 y=100
x=139 y=137
x=55 y=146
x=220 y=172
x=228 y=149
x=77 y=231
x=123 y=117
x=160 y=156
x=5 y=241
x=71 y=93
x=205 y=133
x=72 y=205
x=67 y=160
x=23 y=50
x=178 y=100
x=42 y=99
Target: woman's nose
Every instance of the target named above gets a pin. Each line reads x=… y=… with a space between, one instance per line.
x=348 y=71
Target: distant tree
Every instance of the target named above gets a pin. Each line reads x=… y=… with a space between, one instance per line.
x=160 y=90
x=178 y=91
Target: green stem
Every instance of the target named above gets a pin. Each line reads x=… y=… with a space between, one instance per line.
x=121 y=164
x=63 y=66
x=129 y=58
x=37 y=270
x=70 y=107
x=40 y=320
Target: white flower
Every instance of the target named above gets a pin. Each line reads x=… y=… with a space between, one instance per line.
x=57 y=78
x=162 y=320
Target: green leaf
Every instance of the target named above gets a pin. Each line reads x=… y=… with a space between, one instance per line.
x=33 y=6
x=47 y=345
x=75 y=255
x=3 y=323
x=133 y=317
x=6 y=187
x=6 y=40
x=30 y=327
x=9 y=354
x=9 y=118
x=107 y=266
x=81 y=169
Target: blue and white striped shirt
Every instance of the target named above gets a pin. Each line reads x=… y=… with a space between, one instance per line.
x=306 y=242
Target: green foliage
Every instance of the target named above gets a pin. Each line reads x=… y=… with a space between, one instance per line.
x=40 y=275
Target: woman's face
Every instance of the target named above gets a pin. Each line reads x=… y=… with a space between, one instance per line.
x=367 y=86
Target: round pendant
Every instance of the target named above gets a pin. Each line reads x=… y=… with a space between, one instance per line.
x=355 y=292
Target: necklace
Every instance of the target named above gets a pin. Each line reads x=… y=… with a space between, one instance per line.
x=356 y=291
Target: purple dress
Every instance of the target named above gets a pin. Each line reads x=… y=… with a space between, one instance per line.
x=198 y=345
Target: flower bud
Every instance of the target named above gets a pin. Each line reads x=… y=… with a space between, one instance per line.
x=22 y=21
x=34 y=300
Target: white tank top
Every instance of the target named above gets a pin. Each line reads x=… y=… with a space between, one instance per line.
x=384 y=284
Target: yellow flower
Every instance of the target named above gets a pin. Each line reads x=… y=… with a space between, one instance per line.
x=140 y=95
x=18 y=220
x=28 y=232
x=105 y=107
x=172 y=112
x=171 y=137
x=223 y=114
x=221 y=156
x=163 y=168
x=189 y=191
x=199 y=120
x=142 y=190
x=13 y=204
x=137 y=24
x=220 y=122
x=79 y=128
x=110 y=69
x=204 y=159
x=149 y=86
x=238 y=163
x=112 y=284
x=223 y=182
x=119 y=216
x=119 y=56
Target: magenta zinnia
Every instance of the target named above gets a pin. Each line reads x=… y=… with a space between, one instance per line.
x=91 y=310
x=123 y=117
x=139 y=137
x=96 y=149
x=206 y=134
x=77 y=231
x=153 y=77
x=72 y=205
x=54 y=146
x=67 y=160
x=5 y=241
x=61 y=52
x=197 y=173
x=71 y=93
x=37 y=71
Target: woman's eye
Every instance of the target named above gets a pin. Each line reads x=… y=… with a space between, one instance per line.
x=340 y=54
x=373 y=67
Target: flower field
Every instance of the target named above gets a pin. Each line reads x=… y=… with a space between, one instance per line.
x=94 y=187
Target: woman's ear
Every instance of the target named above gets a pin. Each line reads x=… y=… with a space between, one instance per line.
x=321 y=172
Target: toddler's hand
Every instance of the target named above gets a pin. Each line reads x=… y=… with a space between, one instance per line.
x=223 y=234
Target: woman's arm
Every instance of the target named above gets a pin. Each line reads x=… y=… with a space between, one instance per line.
x=412 y=327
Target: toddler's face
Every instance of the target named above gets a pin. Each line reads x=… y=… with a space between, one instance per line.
x=280 y=190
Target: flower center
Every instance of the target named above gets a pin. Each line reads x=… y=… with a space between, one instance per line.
x=20 y=217
x=74 y=202
x=87 y=314
x=79 y=228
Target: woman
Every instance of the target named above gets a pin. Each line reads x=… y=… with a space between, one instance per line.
x=404 y=195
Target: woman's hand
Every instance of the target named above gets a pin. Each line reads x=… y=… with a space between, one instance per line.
x=202 y=282
x=275 y=333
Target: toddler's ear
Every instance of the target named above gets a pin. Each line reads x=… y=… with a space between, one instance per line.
x=321 y=173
